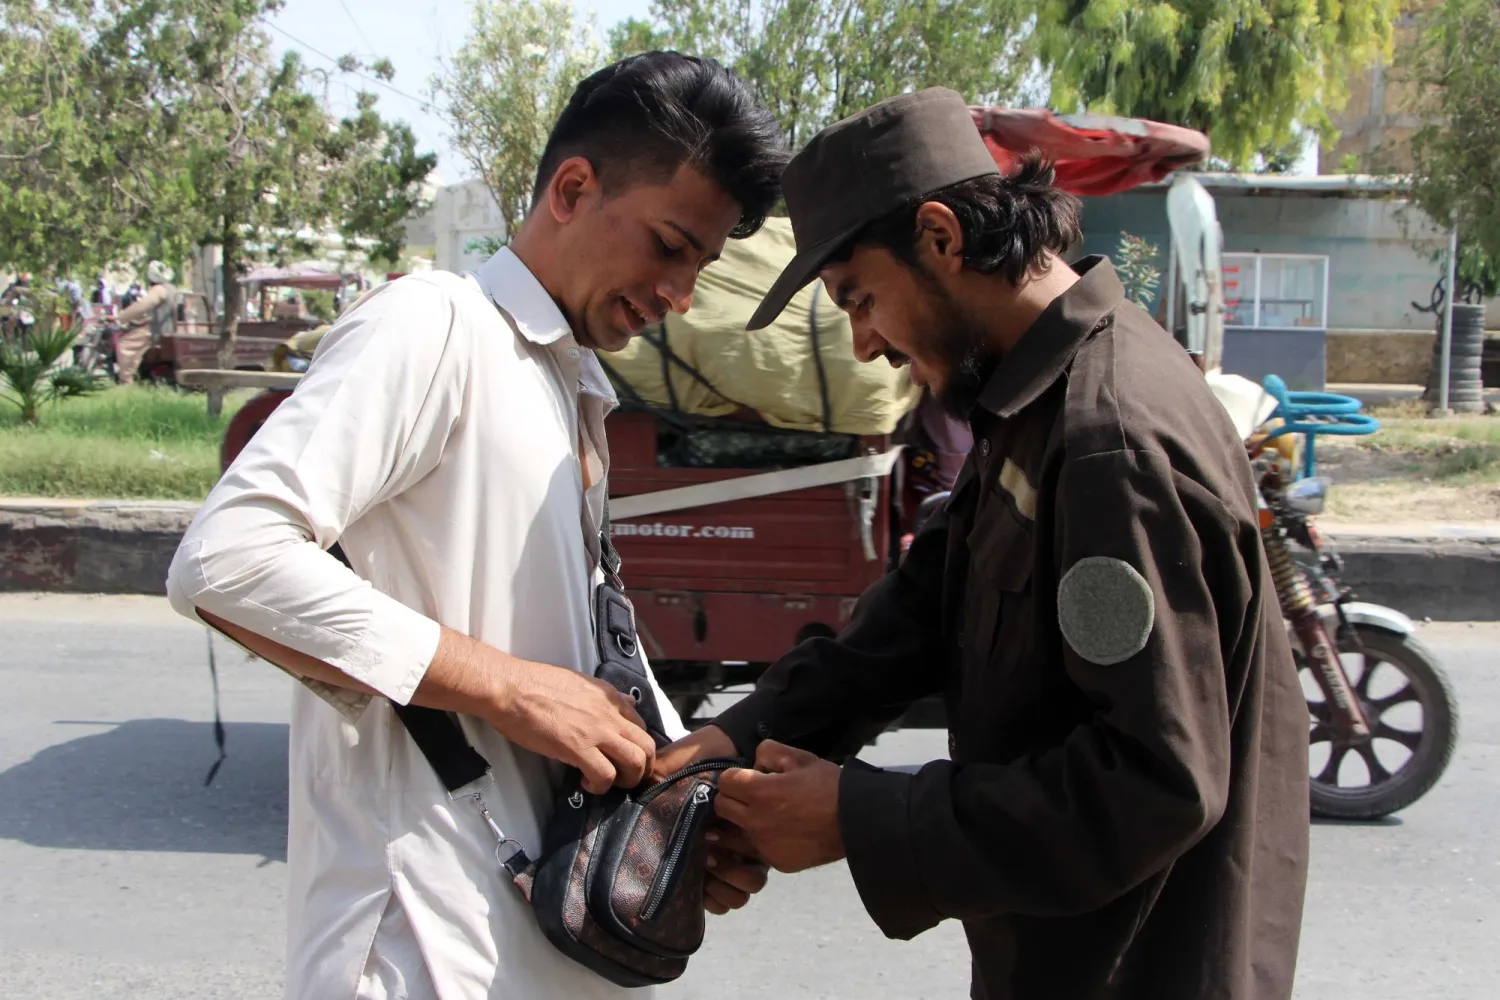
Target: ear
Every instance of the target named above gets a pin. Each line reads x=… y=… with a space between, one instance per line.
x=572 y=183
x=940 y=238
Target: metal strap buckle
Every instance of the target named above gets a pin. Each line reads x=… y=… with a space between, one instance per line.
x=474 y=792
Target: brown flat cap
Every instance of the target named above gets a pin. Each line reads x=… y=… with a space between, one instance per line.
x=857 y=170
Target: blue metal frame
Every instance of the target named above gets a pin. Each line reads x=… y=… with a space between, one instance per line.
x=1314 y=413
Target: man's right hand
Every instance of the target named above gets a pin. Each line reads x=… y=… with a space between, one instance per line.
x=552 y=711
x=581 y=721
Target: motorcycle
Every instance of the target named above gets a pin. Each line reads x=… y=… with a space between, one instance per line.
x=1383 y=720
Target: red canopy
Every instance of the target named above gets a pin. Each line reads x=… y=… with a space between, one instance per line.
x=1094 y=154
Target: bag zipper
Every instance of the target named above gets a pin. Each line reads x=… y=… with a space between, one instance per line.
x=679 y=844
x=712 y=764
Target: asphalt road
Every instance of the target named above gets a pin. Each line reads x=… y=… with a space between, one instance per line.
x=122 y=876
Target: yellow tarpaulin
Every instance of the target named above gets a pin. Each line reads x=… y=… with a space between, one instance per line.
x=771 y=371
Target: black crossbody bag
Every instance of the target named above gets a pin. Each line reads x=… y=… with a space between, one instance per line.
x=618 y=883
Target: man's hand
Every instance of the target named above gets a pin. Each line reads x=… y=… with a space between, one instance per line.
x=581 y=721
x=553 y=711
x=734 y=872
x=710 y=741
x=788 y=807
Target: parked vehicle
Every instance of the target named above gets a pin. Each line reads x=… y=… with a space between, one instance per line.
x=1383 y=718
x=740 y=538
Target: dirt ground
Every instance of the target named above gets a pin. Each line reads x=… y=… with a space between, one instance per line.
x=1415 y=469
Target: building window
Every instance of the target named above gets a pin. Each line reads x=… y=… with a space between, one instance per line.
x=1275 y=291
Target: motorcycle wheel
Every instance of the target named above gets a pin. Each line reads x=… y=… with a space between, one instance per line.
x=1414 y=722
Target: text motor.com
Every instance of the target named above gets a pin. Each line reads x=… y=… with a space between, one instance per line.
x=659 y=530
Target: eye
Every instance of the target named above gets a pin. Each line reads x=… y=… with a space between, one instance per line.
x=864 y=305
x=666 y=249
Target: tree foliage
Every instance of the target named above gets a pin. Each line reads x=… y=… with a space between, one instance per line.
x=505 y=87
x=76 y=172
x=812 y=62
x=170 y=123
x=1246 y=73
x=1456 y=175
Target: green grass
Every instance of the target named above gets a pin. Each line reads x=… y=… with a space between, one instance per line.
x=135 y=443
x=1460 y=450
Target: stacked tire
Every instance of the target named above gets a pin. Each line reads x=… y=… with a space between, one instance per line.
x=1465 y=366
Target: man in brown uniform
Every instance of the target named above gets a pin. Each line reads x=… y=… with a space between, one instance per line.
x=1124 y=813
x=146 y=321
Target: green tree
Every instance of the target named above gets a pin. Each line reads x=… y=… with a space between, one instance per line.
x=247 y=156
x=505 y=87
x=1456 y=174
x=1247 y=74
x=166 y=124
x=76 y=174
x=1135 y=261
x=813 y=62
x=265 y=164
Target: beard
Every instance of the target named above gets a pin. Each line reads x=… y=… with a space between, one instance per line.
x=961 y=350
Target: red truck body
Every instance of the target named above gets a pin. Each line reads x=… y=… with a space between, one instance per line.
x=744 y=580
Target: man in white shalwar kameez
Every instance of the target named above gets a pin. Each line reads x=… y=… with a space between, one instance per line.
x=449 y=436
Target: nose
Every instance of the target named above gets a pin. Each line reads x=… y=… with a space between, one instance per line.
x=868 y=345
x=676 y=289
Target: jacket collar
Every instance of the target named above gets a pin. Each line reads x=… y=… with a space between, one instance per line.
x=1048 y=345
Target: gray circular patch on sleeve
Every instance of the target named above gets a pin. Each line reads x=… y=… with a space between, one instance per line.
x=1105 y=609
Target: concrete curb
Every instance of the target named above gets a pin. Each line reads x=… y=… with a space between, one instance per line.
x=1438 y=578
x=90 y=548
x=1444 y=572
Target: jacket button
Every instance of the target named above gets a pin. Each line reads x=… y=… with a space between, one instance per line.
x=763 y=730
x=958 y=640
x=984 y=448
x=952 y=745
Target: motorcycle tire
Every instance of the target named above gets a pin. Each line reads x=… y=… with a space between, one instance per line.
x=1431 y=747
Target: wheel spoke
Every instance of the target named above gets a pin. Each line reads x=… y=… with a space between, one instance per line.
x=1330 y=773
x=1368 y=671
x=1381 y=705
x=1405 y=737
x=1321 y=733
x=1378 y=773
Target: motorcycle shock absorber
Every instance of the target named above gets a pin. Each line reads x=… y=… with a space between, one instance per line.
x=1295 y=595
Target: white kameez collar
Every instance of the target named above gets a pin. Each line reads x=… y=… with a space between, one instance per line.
x=507 y=280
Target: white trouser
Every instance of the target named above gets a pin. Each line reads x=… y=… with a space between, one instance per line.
x=395 y=968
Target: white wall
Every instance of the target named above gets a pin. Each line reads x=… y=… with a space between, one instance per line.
x=461 y=213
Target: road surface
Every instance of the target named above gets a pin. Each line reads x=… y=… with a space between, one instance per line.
x=125 y=877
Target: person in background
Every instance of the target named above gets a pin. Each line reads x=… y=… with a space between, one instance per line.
x=145 y=321
x=102 y=296
x=79 y=307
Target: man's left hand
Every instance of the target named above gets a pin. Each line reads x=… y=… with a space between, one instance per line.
x=788 y=807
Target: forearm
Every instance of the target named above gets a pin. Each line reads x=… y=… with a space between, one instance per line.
x=464 y=675
x=828 y=696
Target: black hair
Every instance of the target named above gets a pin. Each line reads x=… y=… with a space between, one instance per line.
x=646 y=115
x=1009 y=221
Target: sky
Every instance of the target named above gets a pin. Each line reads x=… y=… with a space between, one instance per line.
x=415 y=35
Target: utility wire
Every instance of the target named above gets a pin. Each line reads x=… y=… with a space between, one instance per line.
x=366 y=38
x=426 y=105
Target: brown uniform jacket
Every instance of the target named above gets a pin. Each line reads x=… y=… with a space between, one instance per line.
x=1125 y=809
